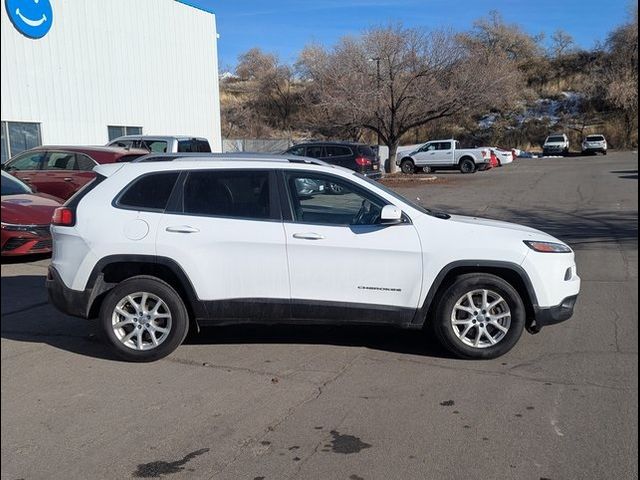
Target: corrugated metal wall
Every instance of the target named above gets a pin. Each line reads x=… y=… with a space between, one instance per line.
x=149 y=63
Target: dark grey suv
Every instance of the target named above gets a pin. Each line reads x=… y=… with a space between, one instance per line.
x=354 y=156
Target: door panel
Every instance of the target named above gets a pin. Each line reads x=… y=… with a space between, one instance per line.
x=338 y=252
x=443 y=155
x=225 y=236
x=57 y=176
x=374 y=265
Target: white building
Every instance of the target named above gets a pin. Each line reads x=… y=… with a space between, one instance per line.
x=78 y=72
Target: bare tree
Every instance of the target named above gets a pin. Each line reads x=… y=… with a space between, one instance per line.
x=394 y=79
x=620 y=75
x=561 y=43
x=493 y=34
x=265 y=97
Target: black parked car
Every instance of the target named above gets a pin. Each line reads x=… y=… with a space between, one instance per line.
x=354 y=156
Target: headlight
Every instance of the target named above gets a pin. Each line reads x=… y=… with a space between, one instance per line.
x=547 y=247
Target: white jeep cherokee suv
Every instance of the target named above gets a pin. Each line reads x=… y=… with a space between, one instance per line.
x=154 y=248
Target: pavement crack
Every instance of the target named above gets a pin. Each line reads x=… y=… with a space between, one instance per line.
x=290 y=412
x=193 y=363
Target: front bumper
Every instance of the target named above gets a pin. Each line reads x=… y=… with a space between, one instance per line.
x=552 y=315
x=76 y=303
x=25 y=241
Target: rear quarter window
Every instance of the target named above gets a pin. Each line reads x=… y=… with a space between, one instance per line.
x=201 y=146
x=366 y=151
x=149 y=192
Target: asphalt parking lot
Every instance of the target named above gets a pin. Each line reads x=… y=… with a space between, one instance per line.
x=353 y=403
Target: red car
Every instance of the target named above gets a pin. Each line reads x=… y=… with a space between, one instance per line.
x=61 y=171
x=25 y=218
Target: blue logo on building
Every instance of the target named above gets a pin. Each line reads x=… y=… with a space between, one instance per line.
x=32 y=18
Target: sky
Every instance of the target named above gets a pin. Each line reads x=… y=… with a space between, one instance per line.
x=284 y=27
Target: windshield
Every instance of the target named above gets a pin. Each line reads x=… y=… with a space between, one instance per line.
x=395 y=195
x=595 y=138
x=12 y=186
x=555 y=139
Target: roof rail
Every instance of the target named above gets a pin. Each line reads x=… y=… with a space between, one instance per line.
x=253 y=157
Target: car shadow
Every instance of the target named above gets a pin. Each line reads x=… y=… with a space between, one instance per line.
x=28 y=317
x=12 y=260
x=628 y=174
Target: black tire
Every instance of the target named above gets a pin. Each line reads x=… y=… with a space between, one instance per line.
x=467 y=166
x=175 y=306
x=604 y=152
x=407 y=166
x=443 y=328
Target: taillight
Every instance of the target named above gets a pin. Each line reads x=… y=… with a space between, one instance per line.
x=63 y=216
x=362 y=161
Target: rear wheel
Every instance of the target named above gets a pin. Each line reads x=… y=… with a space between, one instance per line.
x=407 y=166
x=480 y=316
x=143 y=319
x=467 y=166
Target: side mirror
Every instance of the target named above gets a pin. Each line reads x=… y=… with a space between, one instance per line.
x=390 y=215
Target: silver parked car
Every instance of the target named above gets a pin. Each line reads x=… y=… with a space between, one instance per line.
x=163 y=143
x=594 y=144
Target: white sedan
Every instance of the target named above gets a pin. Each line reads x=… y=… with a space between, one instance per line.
x=503 y=156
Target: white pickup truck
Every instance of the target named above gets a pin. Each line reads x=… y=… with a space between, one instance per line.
x=443 y=155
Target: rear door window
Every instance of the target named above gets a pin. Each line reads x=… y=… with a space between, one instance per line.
x=155 y=146
x=316 y=151
x=150 y=192
x=60 y=161
x=444 y=146
x=337 y=151
x=228 y=193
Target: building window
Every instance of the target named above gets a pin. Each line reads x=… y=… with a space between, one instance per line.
x=116 y=131
x=18 y=137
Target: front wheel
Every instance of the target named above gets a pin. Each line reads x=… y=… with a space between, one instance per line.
x=480 y=316
x=467 y=166
x=143 y=319
x=407 y=166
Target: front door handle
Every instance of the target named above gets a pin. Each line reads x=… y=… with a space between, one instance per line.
x=308 y=236
x=182 y=229
x=68 y=179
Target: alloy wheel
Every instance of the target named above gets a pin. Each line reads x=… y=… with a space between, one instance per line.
x=141 y=321
x=481 y=318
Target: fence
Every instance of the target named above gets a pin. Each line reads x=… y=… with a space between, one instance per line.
x=256 y=145
x=278 y=145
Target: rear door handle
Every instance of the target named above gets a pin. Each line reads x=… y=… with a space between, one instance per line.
x=68 y=179
x=308 y=236
x=182 y=229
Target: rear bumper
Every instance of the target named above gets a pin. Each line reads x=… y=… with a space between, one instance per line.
x=72 y=302
x=556 y=314
x=373 y=175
